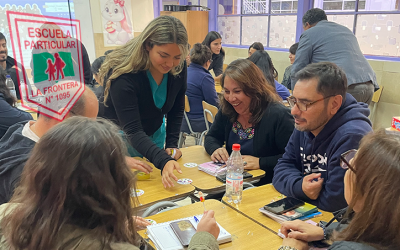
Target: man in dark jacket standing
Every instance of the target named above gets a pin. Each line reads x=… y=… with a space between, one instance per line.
x=324 y=41
x=328 y=123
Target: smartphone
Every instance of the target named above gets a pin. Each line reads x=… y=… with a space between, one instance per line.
x=222 y=178
x=284 y=205
x=184 y=230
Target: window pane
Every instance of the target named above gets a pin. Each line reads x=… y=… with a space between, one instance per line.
x=254 y=29
x=380 y=5
x=283 y=31
x=284 y=6
x=229 y=28
x=345 y=20
x=337 y=5
x=229 y=7
x=379 y=34
x=255 y=6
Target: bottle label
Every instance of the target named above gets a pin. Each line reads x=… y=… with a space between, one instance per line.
x=236 y=182
x=13 y=93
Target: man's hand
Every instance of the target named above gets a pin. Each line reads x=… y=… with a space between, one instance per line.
x=168 y=173
x=220 y=155
x=178 y=153
x=312 y=185
x=251 y=162
x=138 y=165
x=301 y=230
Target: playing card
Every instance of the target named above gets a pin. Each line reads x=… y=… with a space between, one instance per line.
x=139 y=192
x=190 y=165
x=184 y=181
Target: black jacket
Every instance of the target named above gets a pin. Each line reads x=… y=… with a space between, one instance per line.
x=14 y=152
x=217 y=64
x=130 y=105
x=271 y=135
x=10 y=115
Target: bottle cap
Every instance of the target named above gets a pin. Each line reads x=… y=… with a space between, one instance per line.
x=236 y=147
x=8 y=76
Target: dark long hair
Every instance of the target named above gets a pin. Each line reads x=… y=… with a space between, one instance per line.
x=4 y=90
x=377 y=165
x=251 y=80
x=76 y=175
x=263 y=61
x=210 y=37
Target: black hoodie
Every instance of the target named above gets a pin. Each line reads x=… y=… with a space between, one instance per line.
x=14 y=152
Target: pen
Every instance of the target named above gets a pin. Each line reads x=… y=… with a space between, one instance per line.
x=195 y=219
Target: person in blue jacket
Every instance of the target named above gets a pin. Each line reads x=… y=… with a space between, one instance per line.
x=328 y=122
x=9 y=114
x=200 y=87
x=264 y=62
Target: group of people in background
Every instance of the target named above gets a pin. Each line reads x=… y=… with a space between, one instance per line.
x=59 y=194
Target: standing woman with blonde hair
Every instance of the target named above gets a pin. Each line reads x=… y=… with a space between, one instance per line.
x=145 y=81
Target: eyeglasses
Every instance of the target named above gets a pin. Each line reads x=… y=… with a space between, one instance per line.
x=346 y=157
x=302 y=105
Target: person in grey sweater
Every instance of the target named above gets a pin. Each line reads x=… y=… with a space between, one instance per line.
x=324 y=41
x=372 y=195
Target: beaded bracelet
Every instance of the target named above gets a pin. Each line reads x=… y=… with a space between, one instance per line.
x=323 y=228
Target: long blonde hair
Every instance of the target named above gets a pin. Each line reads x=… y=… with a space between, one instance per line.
x=133 y=56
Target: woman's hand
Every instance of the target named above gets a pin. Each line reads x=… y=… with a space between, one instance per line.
x=140 y=223
x=178 y=153
x=251 y=162
x=301 y=230
x=220 y=155
x=138 y=165
x=208 y=224
x=168 y=173
x=298 y=244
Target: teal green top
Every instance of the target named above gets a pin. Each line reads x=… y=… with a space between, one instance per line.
x=159 y=97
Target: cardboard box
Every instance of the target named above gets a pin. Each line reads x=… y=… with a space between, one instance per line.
x=396 y=123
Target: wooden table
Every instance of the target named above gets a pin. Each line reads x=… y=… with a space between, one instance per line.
x=154 y=190
x=255 y=198
x=246 y=234
x=201 y=180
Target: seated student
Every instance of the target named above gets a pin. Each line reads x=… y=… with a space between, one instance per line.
x=372 y=194
x=201 y=87
x=17 y=143
x=96 y=87
x=252 y=115
x=286 y=76
x=213 y=40
x=328 y=123
x=9 y=114
x=264 y=62
x=254 y=47
x=75 y=194
x=7 y=63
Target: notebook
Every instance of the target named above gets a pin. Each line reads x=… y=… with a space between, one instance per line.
x=213 y=168
x=164 y=237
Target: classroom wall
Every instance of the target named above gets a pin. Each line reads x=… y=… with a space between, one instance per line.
x=387 y=74
x=142 y=14
x=81 y=8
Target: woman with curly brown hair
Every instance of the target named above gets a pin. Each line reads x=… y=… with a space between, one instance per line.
x=252 y=115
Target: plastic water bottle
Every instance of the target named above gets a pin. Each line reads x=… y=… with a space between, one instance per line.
x=234 y=176
x=10 y=85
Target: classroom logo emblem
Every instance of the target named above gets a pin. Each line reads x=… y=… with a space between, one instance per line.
x=52 y=67
x=50 y=51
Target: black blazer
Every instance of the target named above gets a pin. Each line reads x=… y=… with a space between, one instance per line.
x=271 y=135
x=130 y=105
